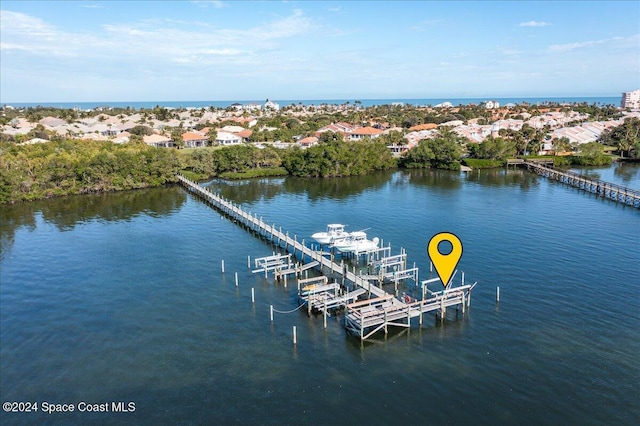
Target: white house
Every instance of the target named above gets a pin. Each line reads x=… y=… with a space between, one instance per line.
x=271 y=105
x=226 y=139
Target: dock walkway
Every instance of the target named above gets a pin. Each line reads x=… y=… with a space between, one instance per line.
x=256 y=224
x=598 y=187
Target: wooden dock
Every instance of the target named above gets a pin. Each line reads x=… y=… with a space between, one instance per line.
x=361 y=316
x=367 y=317
x=598 y=187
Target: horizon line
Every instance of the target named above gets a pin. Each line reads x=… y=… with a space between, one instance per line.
x=349 y=99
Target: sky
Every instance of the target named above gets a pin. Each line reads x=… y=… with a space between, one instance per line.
x=84 y=51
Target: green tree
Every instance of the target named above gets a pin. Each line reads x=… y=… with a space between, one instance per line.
x=592 y=154
x=212 y=136
x=493 y=148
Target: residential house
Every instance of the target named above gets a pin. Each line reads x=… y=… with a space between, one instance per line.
x=364 y=132
x=194 y=139
x=426 y=126
x=227 y=138
x=245 y=134
x=158 y=141
x=308 y=141
x=343 y=128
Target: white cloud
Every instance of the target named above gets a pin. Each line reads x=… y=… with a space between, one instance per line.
x=567 y=47
x=154 y=40
x=534 y=24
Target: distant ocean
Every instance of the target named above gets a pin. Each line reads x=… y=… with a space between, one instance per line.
x=603 y=100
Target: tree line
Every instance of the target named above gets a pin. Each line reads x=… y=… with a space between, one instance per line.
x=69 y=166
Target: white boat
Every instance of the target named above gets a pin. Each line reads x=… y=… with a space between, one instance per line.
x=335 y=232
x=357 y=242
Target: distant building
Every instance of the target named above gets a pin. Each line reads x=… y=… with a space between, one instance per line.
x=490 y=104
x=252 y=106
x=271 y=105
x=630 y=99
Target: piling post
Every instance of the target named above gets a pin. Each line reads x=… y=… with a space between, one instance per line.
x=295 y=337
x=497 y=294
x=285 y=280
x=236 y=279
x=271 y=312
x=223 y=266
x=248 y=262
x=325 y=314
x=253 y=295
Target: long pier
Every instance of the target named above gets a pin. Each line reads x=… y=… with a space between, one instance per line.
x=599 y=187
x=363 y=318
x=256 y=224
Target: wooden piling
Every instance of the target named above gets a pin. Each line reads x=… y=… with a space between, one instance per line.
x=295 y=337
x=253 y=295
x=497 y=294
x=271 y=312
x=223 y=266
x=236 y=279
x=325 y=314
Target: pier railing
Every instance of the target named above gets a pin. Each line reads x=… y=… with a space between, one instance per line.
x=598 y=187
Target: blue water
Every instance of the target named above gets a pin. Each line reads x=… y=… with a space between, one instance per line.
x=607 y=100
x=121 y=297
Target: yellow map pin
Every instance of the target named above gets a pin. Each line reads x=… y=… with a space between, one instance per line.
x=445 y=263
